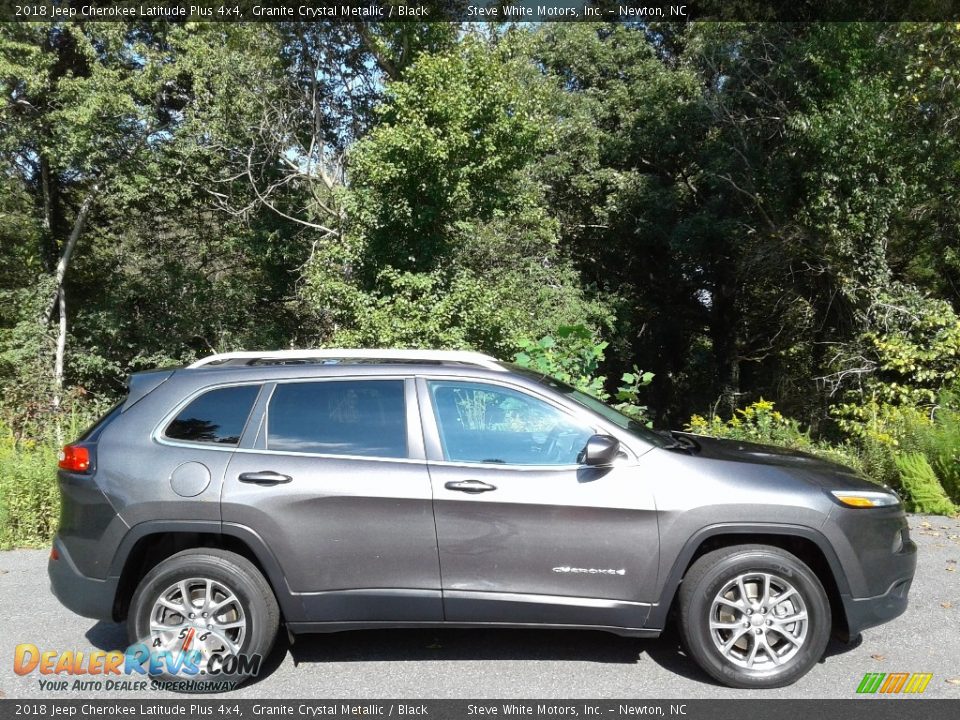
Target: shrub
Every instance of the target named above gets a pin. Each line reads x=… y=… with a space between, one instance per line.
x=29 y=496
x=897 y=445
x=884 y=432
x=940 y=443
x=761 y=423
x=921 y=489
x=29 y=499
x=574 y=357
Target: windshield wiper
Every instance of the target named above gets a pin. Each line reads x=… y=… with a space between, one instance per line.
x=678 y=442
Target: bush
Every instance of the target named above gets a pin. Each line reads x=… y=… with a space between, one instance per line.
x=29 y=498
x=940 y=443
x=761 y=423
x=900 y=446
x=886 y=432
x=574 y=357
x=921 y=489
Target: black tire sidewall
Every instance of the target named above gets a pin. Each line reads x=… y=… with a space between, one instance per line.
x=235 y=575
x=695 y=618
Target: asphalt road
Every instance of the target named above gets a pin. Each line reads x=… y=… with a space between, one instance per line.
x=510 y=663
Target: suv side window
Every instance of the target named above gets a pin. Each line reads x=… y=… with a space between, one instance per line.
x=339 y=417
x=491 y=424
x=217 y=416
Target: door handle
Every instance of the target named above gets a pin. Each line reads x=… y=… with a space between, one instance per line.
x=264 y=477
x=470 y=486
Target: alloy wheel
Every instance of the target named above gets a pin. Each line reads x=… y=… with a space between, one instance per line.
x=758 y=621
x=199 y=614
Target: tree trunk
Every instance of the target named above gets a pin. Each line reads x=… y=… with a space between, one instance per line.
x=729 y=382
x=59 y=300
x=48 y=249
x=58 y=361
x=67 y=253
x=726 y=342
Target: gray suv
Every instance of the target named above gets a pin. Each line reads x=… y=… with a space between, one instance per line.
x=332 y=490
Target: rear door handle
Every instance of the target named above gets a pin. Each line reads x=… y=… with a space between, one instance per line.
x=470 y=486
x=264 y=477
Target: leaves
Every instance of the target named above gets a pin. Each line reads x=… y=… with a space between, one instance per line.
x=692 y=217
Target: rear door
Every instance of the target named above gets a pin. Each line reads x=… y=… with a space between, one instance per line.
x=526 y=533
x=335 y=482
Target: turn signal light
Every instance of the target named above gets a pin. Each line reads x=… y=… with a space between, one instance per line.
x=866 y=499
x=74 y=458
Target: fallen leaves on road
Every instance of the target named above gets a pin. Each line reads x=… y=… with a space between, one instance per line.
x=879 y=657
x=947 y=605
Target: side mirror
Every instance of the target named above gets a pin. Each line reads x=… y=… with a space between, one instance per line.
x=600 y=450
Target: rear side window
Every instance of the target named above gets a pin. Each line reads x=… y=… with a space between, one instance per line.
x=339 y=417
x=217 y=416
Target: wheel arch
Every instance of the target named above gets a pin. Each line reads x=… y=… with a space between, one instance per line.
x=807 y=543
x=149 y=543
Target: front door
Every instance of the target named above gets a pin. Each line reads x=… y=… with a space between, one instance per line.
x=336 y=485
x=527 y=534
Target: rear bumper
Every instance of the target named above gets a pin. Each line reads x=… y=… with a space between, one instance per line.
x=89 y=597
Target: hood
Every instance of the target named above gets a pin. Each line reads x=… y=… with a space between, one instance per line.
x=822 y=472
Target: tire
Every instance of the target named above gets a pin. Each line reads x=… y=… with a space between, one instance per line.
x=244 y=619
x=768 y=652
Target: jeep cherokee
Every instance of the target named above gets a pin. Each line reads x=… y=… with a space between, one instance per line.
x=338 y=489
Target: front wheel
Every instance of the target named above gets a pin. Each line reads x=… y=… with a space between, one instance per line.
x=754 y=616
x=206 y=617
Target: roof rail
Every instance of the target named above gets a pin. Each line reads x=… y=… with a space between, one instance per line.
x=460 y=356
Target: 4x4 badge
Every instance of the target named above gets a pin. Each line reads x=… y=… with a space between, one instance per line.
x=589 y=571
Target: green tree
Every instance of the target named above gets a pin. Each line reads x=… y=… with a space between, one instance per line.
x=449 y=242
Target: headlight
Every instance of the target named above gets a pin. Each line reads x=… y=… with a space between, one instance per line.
x=860 y=499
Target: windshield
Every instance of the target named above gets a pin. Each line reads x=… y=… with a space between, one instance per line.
x=596 y=406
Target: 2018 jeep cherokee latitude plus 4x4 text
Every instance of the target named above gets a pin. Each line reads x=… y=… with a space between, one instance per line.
x=340 y=489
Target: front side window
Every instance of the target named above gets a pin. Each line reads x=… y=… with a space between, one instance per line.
x=216 y=417
x=339 y=417
x=490 y=424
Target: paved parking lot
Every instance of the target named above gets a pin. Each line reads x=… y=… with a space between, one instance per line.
x=516 y=664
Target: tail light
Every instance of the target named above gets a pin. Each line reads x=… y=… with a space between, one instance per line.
x=74 y=458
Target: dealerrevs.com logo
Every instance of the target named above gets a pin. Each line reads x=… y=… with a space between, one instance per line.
x=894 y=683
x=137 y=668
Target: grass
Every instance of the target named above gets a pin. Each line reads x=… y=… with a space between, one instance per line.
x=29 y=498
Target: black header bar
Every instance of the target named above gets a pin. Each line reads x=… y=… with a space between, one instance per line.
x=501 y=11
x=228 y=708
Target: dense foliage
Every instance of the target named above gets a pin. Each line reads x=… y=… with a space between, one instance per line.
x=744 y=211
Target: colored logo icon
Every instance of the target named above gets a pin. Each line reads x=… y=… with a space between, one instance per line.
x=894 y=683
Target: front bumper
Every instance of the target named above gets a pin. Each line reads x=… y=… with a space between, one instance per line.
x=863 y=613
x=86 y=596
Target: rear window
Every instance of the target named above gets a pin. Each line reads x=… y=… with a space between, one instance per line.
x=217 y=416
x=339 y=417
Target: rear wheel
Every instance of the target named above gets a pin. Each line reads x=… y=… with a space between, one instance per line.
x=208 y=608
x=754 y=616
